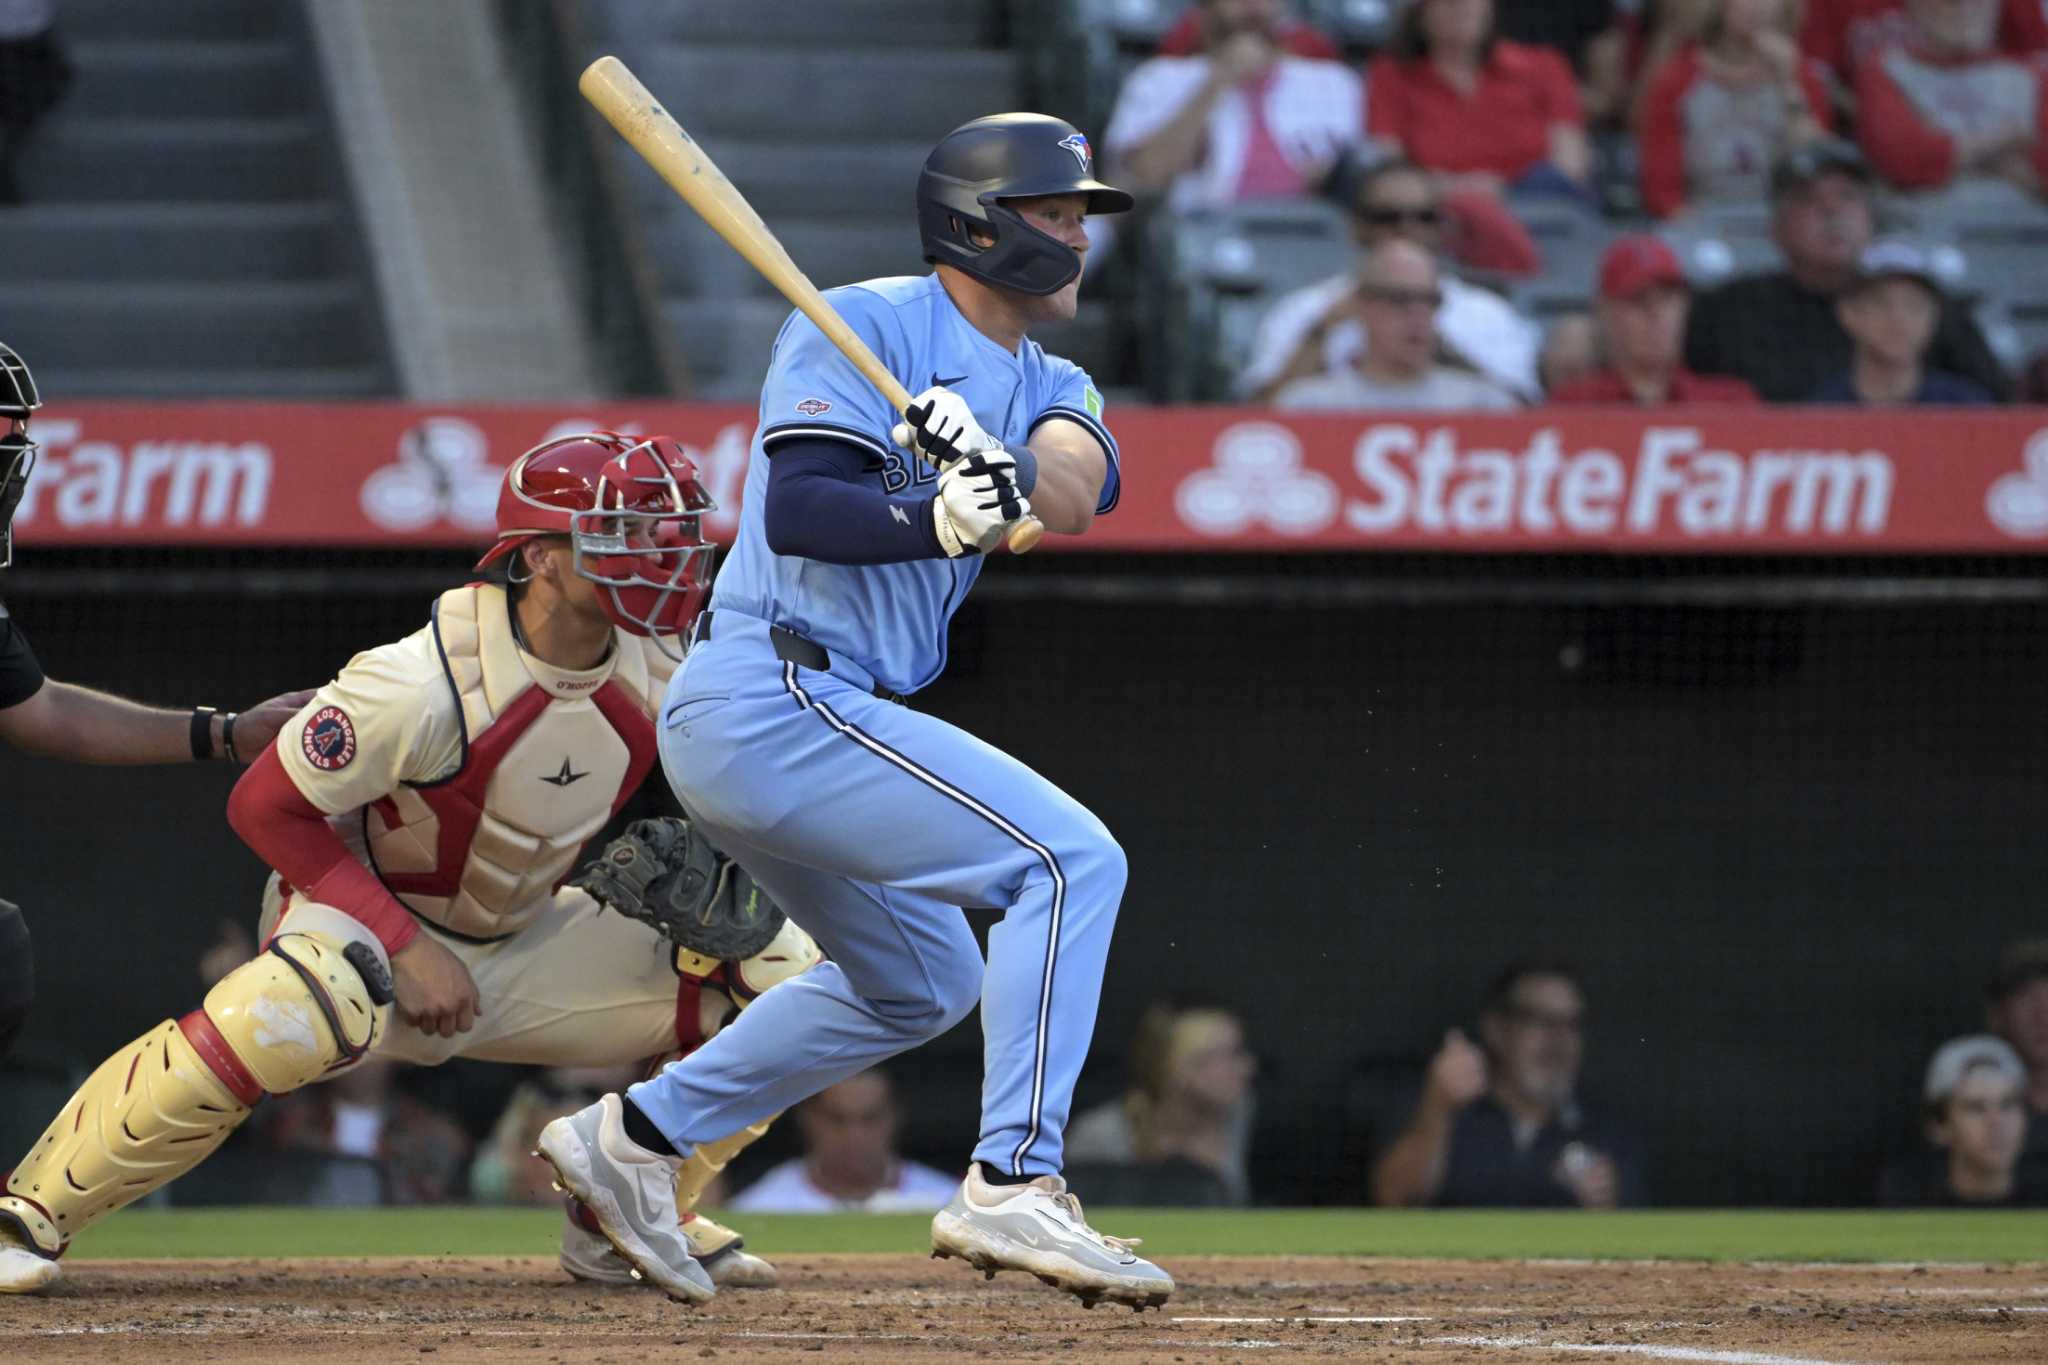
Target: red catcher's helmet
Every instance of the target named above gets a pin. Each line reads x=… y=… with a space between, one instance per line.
x=633 y=511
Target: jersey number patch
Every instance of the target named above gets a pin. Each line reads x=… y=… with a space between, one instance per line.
x=329 y=740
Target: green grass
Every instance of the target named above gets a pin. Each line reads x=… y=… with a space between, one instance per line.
x=1714 y=1235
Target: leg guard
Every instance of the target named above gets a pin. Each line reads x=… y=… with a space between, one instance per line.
x=161 y=1105
x=706 y=1162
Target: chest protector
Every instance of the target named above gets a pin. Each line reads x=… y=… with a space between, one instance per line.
x=481 y=852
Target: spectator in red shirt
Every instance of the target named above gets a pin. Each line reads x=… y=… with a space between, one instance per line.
x=1839 y=34
x=1644 y=299
x=1725 y=105
x=1941 y=103
x=1189 y=37
x=1482 y=112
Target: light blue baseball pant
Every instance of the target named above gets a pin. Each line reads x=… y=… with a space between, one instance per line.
x=871 y=824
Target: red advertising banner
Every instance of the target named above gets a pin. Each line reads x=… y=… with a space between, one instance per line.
x=1703 y=480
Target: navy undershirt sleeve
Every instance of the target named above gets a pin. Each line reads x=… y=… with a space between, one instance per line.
x=823 y=505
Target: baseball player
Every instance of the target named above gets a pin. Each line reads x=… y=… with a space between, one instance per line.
x=40 y=715
x=783 y=736
x=422 y=813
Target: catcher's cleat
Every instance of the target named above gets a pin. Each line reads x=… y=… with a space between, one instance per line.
x=25 y=1268
x=1039 y=1228
x=630 y=1191
x=587 y=1256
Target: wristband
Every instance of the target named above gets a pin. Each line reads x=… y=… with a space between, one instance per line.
x=202 y=732
x=1027 y=468
x=227 y=737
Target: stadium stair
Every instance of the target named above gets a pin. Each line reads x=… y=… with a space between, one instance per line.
x=821 y=113
x=187 y=230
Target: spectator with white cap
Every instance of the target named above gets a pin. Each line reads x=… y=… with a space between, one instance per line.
x=1890 y=312
x=1977 y=1115
x=1644 y=299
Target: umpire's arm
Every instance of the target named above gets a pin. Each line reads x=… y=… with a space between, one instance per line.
x=64 y=720
x=1071 y=468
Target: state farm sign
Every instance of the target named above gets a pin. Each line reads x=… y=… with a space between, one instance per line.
x=173 y=484
x=1740 y=480
x=1684 y=480
x=1670 y=481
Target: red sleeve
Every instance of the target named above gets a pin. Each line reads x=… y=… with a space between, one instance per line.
x=1660 y=141
x=292 y=835
x=1904 y=150
x=1825 y=34
x=1385 y=108
x=2022 y=28
x=1185 y=38
x=1814 y=81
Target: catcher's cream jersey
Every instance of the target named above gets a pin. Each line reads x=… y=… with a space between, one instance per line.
x=466 y=772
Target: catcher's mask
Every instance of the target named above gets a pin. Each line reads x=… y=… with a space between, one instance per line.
x=18 y=400
x=633 y=510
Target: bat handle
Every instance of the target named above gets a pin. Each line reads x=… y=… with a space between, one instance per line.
x=1025 y=534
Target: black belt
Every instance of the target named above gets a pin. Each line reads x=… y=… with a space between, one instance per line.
x=793 y=648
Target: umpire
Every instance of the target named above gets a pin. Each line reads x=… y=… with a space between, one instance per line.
x=52 y=719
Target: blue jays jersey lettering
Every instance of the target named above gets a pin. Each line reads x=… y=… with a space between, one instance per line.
x=890 y=619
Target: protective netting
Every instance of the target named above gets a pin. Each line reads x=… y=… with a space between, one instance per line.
x=1780 y=813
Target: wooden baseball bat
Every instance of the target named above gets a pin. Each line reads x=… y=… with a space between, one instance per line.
x=653 y=132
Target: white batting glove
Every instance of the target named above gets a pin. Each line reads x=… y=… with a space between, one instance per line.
x=977 y=501
x=939 y=426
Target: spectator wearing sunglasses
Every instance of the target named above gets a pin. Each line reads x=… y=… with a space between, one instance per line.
x=1319 y=330
x=1398 y=297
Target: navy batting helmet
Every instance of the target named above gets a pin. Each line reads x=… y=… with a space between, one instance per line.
x=1007 y=156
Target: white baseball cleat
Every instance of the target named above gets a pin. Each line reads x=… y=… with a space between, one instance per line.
x=1039 y=1228
x=630 y=1191
x=24 y=1272
x=722 y=1252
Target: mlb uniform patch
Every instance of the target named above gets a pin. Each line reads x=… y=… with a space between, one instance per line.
x=329 y=740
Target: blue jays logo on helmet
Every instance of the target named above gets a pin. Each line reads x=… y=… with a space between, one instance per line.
x=1078 y=145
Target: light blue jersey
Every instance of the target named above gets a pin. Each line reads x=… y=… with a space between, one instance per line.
x=872 y=823
x=889 y=618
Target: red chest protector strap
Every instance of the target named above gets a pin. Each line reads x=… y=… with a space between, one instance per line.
x=458 y=801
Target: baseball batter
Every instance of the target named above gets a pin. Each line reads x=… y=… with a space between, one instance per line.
x=423 y=812
x=783 y=736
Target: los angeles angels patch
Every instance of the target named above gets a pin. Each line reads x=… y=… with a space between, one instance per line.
x=329 y=740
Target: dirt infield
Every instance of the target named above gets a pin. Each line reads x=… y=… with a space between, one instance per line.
x=910 y=1309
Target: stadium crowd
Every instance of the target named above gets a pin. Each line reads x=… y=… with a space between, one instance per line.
x=1864 y=133
x=1498 y=1117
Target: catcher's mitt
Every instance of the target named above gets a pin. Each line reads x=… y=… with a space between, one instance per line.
x=667 y=875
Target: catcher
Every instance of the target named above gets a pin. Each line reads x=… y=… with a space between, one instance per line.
x=422 y=814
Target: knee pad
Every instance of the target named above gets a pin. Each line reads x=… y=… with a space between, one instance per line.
x=306 y=1005
x=790 y=953
x=17 y=974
